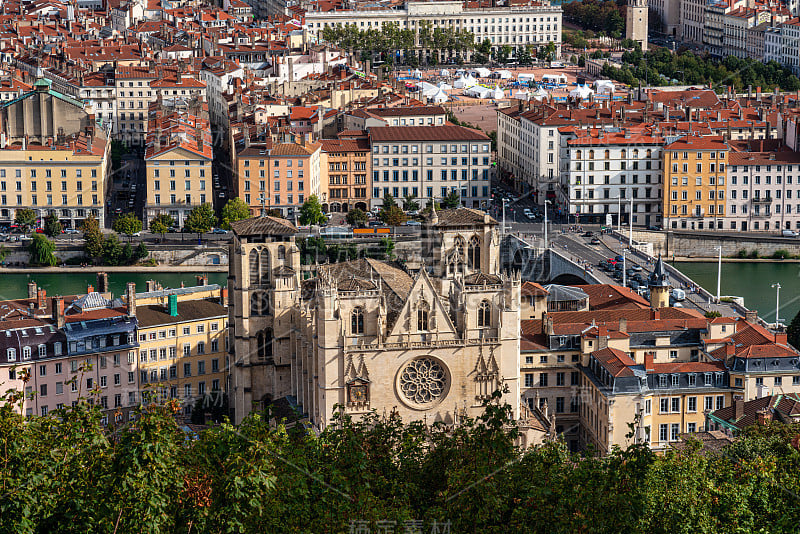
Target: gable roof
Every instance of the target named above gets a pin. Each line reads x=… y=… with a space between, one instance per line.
x=265 y=225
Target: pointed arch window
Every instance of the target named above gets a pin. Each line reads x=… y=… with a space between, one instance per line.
x=484 y=314
x=281 y=254
x=255 y=279
x=474 y=253
x=459 y=246
x=423 y=313
x=357 y=321
x=265 y=266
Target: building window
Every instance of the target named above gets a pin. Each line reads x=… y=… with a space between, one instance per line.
x=484 y=314
x=357 y=321
x=422 y=316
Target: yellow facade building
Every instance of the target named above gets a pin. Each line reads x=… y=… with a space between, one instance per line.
x=182 y=344
x=694 y=183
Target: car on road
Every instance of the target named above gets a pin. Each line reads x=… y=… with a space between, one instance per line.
x=788 y=233
x=413 y=213
x=636 y=268
x=530 y=215
x=655 y=227
x=70 y=231
x=219 y=231
x=595 y=241
x=587 y=234
x=413 y=223
x=633 y=284
x=619 y=259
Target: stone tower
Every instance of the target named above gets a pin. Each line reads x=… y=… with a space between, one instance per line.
x=264 y=273
x=659 y=286
x=636 y=22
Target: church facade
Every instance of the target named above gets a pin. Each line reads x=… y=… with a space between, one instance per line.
x=368 y=335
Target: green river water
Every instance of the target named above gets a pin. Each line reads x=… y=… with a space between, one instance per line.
x=752 y=281
x=15 y=285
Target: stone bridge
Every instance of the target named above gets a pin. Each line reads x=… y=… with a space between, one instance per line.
x=538 y=265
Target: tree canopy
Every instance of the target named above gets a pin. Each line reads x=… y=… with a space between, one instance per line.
x=42 y=251
x=234 y=210
x=356 y=217
x=52 y=226
x=66 y=472
x=93 y=238
x=25 y=218
x=311 y=212
x=201 y=219
x=127 y=224
x=161 y=224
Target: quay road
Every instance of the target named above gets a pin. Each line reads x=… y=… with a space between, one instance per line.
x=580 y=250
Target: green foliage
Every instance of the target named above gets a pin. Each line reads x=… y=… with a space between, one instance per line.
x=201 y=219
x=234 y=210
x=741 y=253
x=68 y=473
x=781 y=254
x=504 y=54
x=93 y=238
x=113 y=251
x=388 y=201
x=337 y=252
x=161 y=224
x=392 y=216
x=410 y=204
x=127 y=224
x=712 y=314
x=311 y=212
x=214 y=405
x=52 y=227
x=606 y=16
x=141 y=252
x=452 y=201
x=659 y=65
x=25 y=218
x=356 y=217
x=312 y=250
x=793 y=331
x=387 y=247
x=42 y=251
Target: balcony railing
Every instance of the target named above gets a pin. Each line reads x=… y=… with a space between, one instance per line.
x=761 y=199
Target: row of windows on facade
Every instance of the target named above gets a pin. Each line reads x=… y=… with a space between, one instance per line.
x=259 y=264
x=544 y=379
x=65 y=213
x=172 y=332
x=607 y=166
x=173 y=199
x=75 y=366
x=290 y=199
x=623 y=179
x=187 y=183
x=767 y=180
x=288 y=163
x=443 y=192
x=430 y=149
x=171 y=372
x=484 y=317
x=623 y=154
x=358 y=192
x=171 y=352
x=396 y=162
x=103 y=401
x=414 y=175
x=578 y=194
x=98 y=342
x=78 y=200
x=48 y=173
x=485 y=20
x=342 y=165
x=276 y=185
x=712 y=167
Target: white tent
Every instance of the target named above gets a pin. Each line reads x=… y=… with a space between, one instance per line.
x=445 y=73
x=525 y=78
x=444 y=86
x=478 y=91
x=502 y=74
x=460 y=72
x=481 y=72
x=604 y=86
x=439 y=97
x=522 y=95
x=416 y=74
x=540 y=94
x=581 y=92
x=465 y=83
x=554 y=78
x=428 y=89
x=497 y=93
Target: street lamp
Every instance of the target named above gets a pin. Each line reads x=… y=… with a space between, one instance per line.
x=504 y=216
x=624 y=268
x=719 y=270
x=546 y=202
x=619 y=212
x=630 y=220
x=777 y=287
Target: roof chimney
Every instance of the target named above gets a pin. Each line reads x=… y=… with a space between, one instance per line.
x=32 y=290
x=172 y=305
x=623 y=325
x=738 y=409
x=751 y=316
x=130 y=297
x=102 y=282
x=41 y=298
x=57 y=304
x=648 y=361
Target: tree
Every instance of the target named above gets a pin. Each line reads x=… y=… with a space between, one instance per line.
x=93 y=238
x=356 y=217
x=793 y=331
x=409 y=204
x=41 y=250
x=234 y=210
x=392 y=216
x=201 y=219
x=311 y=249
x=25 y=218
x=387 y=247
x=141 y=252
x=311 y=212
x=114 y=252
x=128 y=225
x=52 y=227
x=452 y=201
x=504 y=54
x=161 y=224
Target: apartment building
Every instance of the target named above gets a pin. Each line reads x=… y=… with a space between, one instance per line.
x=430 y=162
x=52 y=159
x=345 y=174
x=182 y=352
x=178 y=157
x=137 y=87
x=612 y=171
x=277 y=176
x=535 y=24
x=692 y=20
x=763 y=191
x=694 y=182
x=366 y=118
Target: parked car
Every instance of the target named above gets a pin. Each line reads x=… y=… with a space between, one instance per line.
x=595 y=241
x=413 y=223
x=219 y=231
x=636 y=267
x=71 y=231
x=587 y=234
x=678 y=294
x=655 y=227
x=788 y=233
x=413 y=213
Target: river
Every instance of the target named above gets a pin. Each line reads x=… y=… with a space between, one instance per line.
x=15 y=285
x=752 y=281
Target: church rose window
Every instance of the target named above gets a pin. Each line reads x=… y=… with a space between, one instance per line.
x=423 y=381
